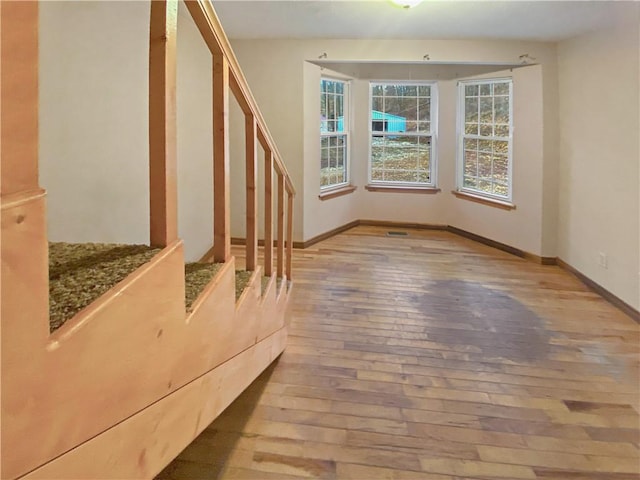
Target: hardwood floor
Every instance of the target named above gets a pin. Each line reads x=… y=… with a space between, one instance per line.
x=434 y=357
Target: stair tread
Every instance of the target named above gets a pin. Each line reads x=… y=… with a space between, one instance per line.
x=197 y=276
x=79 y=273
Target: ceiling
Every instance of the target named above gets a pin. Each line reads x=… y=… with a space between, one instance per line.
x=537 y=20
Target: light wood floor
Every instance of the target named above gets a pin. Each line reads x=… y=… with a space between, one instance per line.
x=434 y=357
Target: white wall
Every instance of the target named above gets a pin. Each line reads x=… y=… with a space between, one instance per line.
x=286 y=87
x=94 y=150
x=195 y=138
x=94 y=154
x=599 y=151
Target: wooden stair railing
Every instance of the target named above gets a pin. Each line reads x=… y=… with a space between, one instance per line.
x=125 y=385
x=227 y=75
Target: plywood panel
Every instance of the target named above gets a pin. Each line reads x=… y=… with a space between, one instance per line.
x=109 y=361
x=142 y=445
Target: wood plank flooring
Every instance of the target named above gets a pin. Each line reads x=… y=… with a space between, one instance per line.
x=434 y=357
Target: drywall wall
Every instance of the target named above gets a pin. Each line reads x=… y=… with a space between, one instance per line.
x=94 y=152
x=285 y=83
x=195 y=138
x=599 y=157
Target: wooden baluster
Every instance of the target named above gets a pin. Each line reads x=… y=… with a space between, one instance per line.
x=221 y=190
x=163 y=192
x=280 y=254
x=289 y=233
x=268 y=213
x=252 y=191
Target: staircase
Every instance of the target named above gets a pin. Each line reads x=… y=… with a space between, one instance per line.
x=117 y=386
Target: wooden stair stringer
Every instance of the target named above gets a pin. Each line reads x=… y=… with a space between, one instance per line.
x=142 y=445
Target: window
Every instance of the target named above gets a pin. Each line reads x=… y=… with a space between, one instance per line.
x=402 y=132
x=334 y=135
x=485 y=126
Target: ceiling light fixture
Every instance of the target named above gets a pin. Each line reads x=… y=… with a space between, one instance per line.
x=406 y=4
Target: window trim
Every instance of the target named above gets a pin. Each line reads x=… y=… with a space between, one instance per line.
x=433 y=120
x=460 y=127
x=326 y=190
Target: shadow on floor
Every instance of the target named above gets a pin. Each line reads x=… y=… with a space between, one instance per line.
x=205 y=458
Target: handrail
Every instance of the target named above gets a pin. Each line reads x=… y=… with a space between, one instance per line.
x=227 y=77
x=213 y=34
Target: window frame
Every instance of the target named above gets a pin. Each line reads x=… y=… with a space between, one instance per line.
x=461 y=136
x=327 y=189
x=433 y=133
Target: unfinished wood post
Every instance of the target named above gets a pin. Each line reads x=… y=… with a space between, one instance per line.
x=268 y=213
x=289 y=233
x=280 y=259
x=19 y=149
x=163 y=192
x=221 y=189
x=252 y=191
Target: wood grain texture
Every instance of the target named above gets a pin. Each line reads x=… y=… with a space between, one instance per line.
x=434 y=357
x=163 y=190
x=251 y=152
x=281 y=223
x=140 y=445
x=268 y=212
x=221 y=175
x=18 y=97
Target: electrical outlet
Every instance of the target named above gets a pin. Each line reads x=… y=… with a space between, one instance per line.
x=602 y=260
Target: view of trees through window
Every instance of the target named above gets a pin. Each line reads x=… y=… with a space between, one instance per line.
x=333 y=133
x=401 y=133
x=486 y=136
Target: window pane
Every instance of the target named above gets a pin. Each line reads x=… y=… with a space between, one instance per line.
x=485 y=161
x=502 y=130
x=500 y=189
x=424 y=156
x=485 y=146
x=500 y=166
x=424 y=109
x=377 y=104
x=501 y=88
x=424 y=127
x=408 y=90
x=471 y=109
x=339 y=105
x=484 y=186
x=486 y=110
x=484 y=165
x=486 y=130
x=377 y=175
x=471 y=163
x=399 y=108
x=501 y=146
x=424 y=90
x=333 y=152
x=471 y=129
x=501 y=109
x=470 y=182
x=470 y=144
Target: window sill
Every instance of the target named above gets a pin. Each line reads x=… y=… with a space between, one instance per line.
x=401 y=189
x=338 y=192
x=484 y=200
